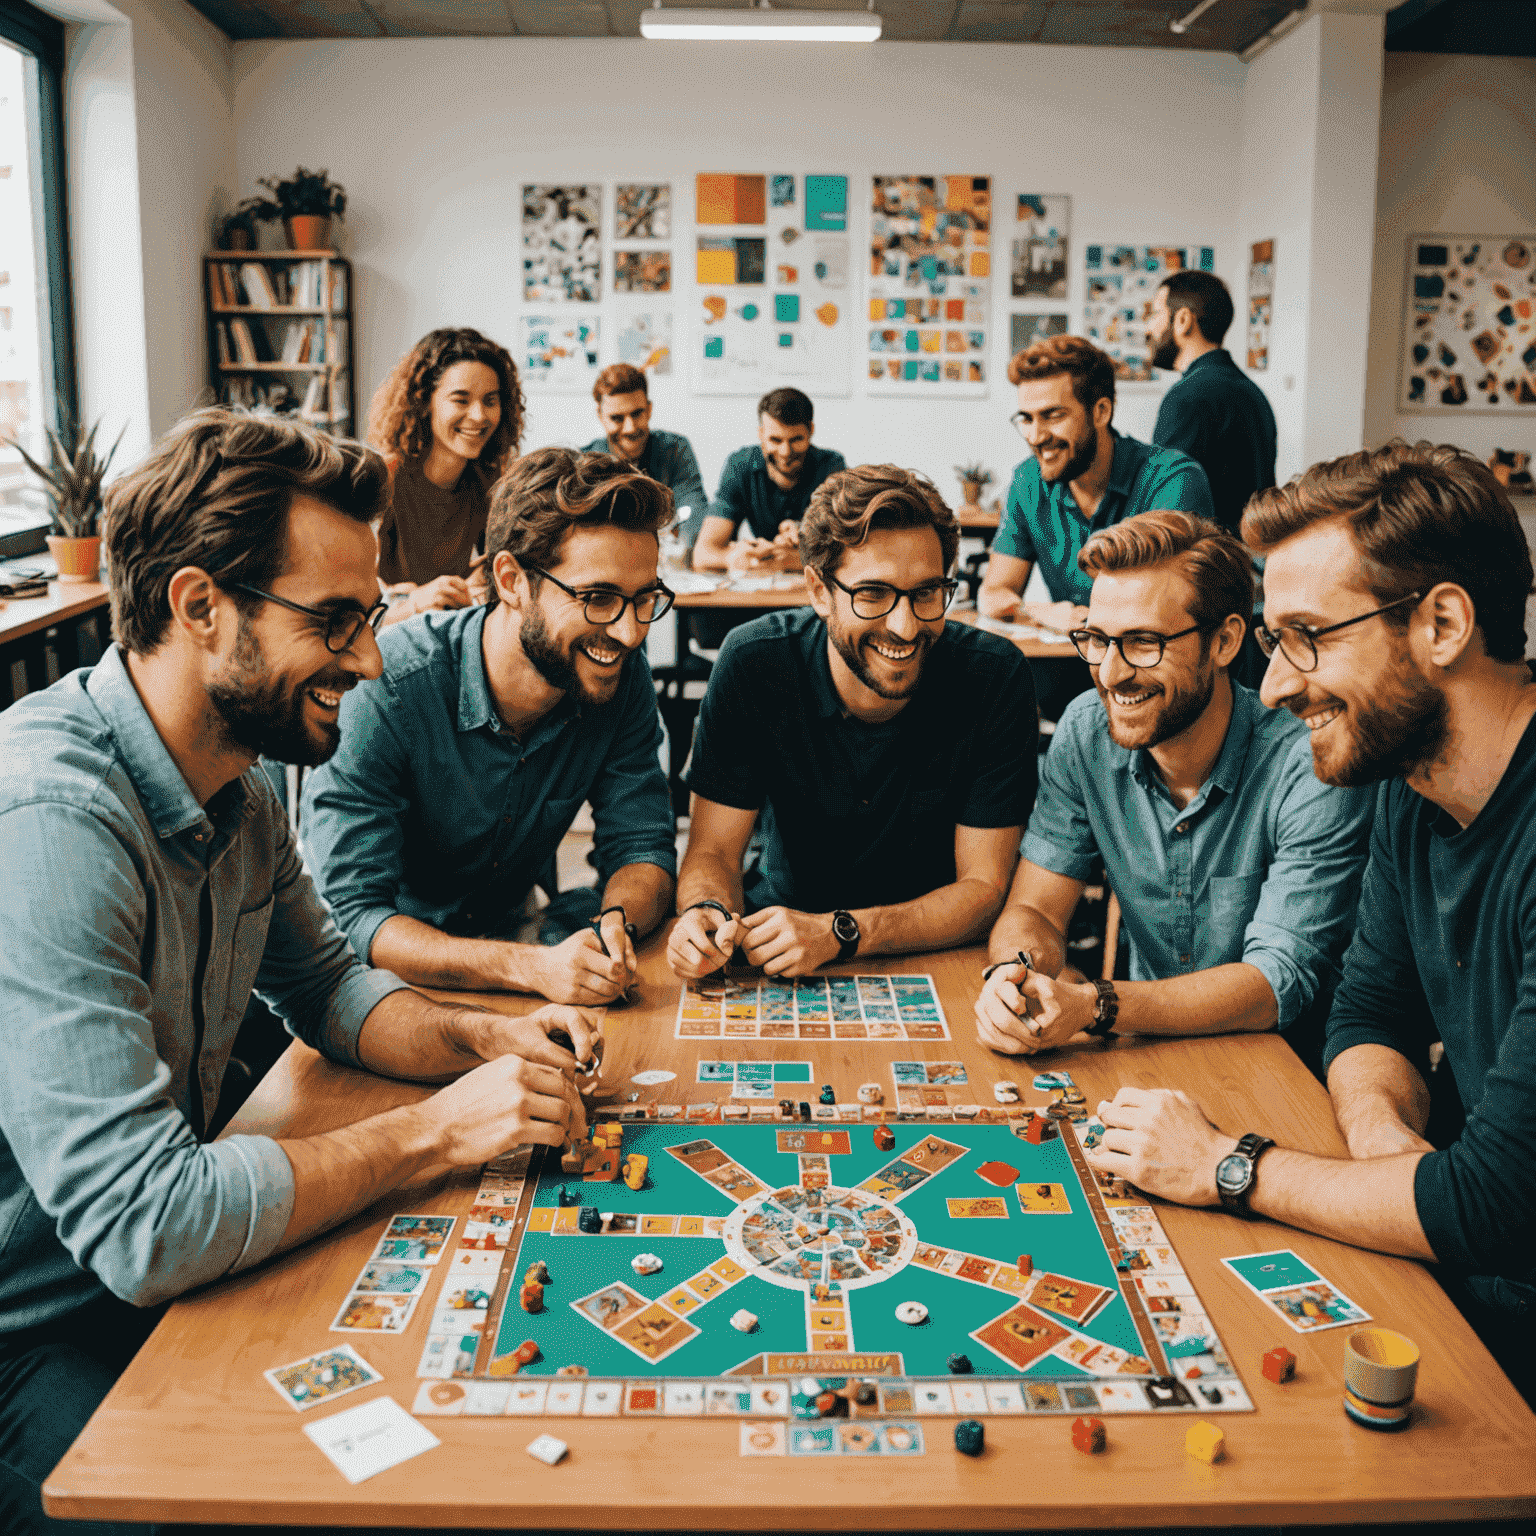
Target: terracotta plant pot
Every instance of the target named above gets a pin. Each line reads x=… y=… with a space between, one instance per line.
x=972 y=493
x=77 y=559
x=308 y=231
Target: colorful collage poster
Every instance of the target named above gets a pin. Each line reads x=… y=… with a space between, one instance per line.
x=930 y=269
x=772 y=264
x=1040 y=251
x=1469 y=332
x=645 y=340
x=562 y=244
x=559 y=353
x=1025 y=330
x=1261 y=296
x=642 y=211
x=1122 y=280
x=642 y=269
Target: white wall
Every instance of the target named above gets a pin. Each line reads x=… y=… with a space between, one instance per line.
x=1458 y=156
x=434 y=138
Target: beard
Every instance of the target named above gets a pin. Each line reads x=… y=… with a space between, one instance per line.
x=1079 y=459
x=258 y=715
x=1402 y=730
x=558 y=667
x=1181 y=708
x=1165 y=349
x=852 y=654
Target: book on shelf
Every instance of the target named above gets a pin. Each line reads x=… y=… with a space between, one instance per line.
x=258 y=285
x=221 y=341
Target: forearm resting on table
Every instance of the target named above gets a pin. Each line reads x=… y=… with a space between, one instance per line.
x=426 y=957
x=1379 y=1100
x=952 y=915
x=1024 y=929
x=995 y=601
x=1218 y=1001
x=645 y=893
x=712 y=551
x=1368 y=1204
x=709 y=875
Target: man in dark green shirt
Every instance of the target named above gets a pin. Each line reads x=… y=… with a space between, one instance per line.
x=1395 y=596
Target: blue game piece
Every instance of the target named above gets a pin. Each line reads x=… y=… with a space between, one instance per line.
x=827 y=1095
x=567 y=1196
x=970 y=1437
x=805 y=1110
x=590 y=1219
x=959 y=1365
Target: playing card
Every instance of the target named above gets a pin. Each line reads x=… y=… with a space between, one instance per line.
x=322 y=1377
x=364 y=1441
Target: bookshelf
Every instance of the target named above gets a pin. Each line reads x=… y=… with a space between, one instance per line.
x=280 y=331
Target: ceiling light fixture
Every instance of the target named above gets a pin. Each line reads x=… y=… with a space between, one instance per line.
x=759 y=25
x=1184 y=23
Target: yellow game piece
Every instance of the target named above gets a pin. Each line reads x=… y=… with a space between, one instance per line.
x=634 y=1170
x=1204 y=1441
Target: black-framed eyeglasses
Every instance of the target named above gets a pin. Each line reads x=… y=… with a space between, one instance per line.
x=1141 y=648
x=342 y=625
x=875 y=599
x=1299 y=641
x=603 y=607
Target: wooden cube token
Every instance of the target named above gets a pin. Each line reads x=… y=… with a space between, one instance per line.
x=1088 y=1435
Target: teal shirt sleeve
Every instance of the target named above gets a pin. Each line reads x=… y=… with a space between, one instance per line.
x=1175 y=483
x=1014 y=536
x=1060 y=837
x=732 y=499
x=632 y=820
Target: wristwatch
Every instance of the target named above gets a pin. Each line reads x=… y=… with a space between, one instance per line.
x=845 y=930
x=1106 y=1010
x=1235 y=1172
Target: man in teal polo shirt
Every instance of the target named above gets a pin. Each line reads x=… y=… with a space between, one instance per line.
x=1082 y=476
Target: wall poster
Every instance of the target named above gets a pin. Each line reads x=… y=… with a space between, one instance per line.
x=1469 y=334
x=1025 y=330
x=930 y=268
x=642 y=210
x=559 y=353
x=773 y=268
x=645 y=340
x=1261 y=295
x=1040 y=252
x=562 y=244
x=1122 y=280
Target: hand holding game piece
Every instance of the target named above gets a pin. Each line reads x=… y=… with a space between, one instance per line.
x=703 y=940
x=1004 y=1011
x=1160 y=1140
x=788 y=535
x=503 y=1104
x=789 y=943
x=555 y=1036
x=578 y=971
x=616 y=936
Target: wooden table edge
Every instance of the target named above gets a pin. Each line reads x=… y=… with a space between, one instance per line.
x=23 y=616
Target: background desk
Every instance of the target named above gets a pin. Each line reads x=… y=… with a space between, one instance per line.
x=193 y=1433
x=42 y=638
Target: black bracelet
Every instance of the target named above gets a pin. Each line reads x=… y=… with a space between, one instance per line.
x=1023 y=958
x=719 y=907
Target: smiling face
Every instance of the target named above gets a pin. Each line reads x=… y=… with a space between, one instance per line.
x=277 y=690
x=568 y=652
x=1061 y=431
x=785 y=449
x=887 y=654
x=1372 y=713
x=1147 y=706
x=626 y=423
x=466 y=409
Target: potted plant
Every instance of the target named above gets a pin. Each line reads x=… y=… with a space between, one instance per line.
x=73 y=481
x=237 y=229
x=973 y=481
x=306 y=202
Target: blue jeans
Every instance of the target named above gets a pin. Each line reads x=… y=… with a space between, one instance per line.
x=52 y=1379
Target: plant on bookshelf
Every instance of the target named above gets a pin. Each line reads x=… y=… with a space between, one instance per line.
x=306 y=202
x=237 y=229
x=72 y=478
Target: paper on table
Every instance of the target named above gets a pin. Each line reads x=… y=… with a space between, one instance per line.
x=370 y=1438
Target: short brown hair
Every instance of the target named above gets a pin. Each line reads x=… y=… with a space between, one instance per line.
x=619 y=379
x=1215 y=565
x=848 y=506
x=214 y=493
x=550 y=491
x=1419 y=514
x=400 y=413
x=1092 y=372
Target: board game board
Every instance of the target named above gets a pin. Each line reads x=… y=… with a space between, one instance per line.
x=892 y=1008
x=821 y=1235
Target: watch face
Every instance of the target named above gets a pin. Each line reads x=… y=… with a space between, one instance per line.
x=1233 y=1173
x=845 y=927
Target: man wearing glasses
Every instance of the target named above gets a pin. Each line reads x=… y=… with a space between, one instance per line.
x=151 y=881
x=463 y=767
x=1395 y=591
x=1237 y=872
x=889 y=756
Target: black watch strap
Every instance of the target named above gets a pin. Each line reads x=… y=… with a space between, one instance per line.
x=1252 y=1147
x=1106 y=1010
x=848 y=946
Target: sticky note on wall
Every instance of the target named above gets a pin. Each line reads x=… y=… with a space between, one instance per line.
x=786 y=308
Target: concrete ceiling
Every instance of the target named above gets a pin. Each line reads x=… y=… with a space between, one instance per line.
x=1228 y=26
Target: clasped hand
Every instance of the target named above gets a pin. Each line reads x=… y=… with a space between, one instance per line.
x=779 y=939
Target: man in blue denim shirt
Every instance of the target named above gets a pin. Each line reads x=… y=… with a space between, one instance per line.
x=1238 y=873
x=151 y=881
x=461 y=770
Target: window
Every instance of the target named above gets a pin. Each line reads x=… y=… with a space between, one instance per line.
x=37 y=377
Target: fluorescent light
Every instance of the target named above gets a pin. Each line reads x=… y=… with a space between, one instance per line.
x=759 y=26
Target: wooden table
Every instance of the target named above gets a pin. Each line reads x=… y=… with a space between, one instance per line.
x=193 y=1433
x=49 y=636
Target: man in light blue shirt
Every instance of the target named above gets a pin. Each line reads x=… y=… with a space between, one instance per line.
x=151 y=881
x=1238 y=873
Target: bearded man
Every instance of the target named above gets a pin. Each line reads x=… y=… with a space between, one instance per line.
x=890 y=756
x=1394 y=593
x=1238 y=873
x=464 y=765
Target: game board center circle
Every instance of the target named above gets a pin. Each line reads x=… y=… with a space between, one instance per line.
x=798 y=1238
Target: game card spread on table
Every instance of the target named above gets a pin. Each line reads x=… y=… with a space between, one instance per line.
x=1287 y=1284
x=893 y=1008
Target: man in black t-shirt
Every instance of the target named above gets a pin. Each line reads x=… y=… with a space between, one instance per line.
x=891 y=756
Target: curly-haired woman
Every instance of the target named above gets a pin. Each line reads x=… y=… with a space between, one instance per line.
x=448 y=419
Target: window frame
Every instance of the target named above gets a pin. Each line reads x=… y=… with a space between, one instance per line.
x=41 y=37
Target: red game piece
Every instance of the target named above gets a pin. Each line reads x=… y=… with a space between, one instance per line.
x=885 y=1137
x=1026 y=1264
x=527 y=1352
x=532 y=1296
x=1088 y=1435
x=1279 y=1364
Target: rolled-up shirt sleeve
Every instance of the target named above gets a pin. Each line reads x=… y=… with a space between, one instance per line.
x=354 y=815
x=1014 y=536
x=632 y=819
x=1059 y=836
x=86 y=1103
x=731 y=498
x=1307 y=904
